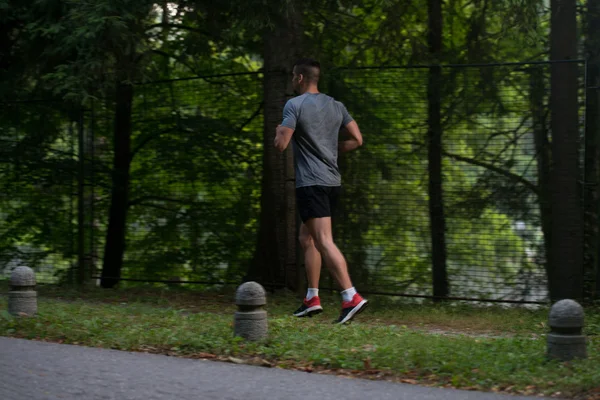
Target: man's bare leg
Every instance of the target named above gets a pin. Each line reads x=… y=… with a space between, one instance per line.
x=312 y=261
x=352 y=302
x=312 y=257
x=320 y=231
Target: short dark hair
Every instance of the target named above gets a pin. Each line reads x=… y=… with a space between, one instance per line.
x=310 y=68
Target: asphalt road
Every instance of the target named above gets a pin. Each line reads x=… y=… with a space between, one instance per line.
x=32 y=370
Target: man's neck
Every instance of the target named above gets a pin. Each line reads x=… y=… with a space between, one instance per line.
x=312 y=89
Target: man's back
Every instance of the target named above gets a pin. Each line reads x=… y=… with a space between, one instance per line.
x=317 y=119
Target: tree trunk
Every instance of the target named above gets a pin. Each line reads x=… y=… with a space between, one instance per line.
x=114 y=248
x=274 y=260
x=542 y=150
x=567 y=223
x=592 y=150
x=436 y=199
x=81 y=217
x=91 y=222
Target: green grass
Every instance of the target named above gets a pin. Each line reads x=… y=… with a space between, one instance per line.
x=461 y=346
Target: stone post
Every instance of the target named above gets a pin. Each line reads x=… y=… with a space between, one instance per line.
x=566 y=340
x=250 y=320
x=22 y=298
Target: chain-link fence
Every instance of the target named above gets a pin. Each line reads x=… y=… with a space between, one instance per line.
x=195 y=169
x=495 y=133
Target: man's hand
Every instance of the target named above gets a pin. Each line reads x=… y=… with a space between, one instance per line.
x=283 y=135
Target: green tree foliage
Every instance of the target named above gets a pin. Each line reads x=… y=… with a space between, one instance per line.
x=85 y=45
x=37 y=174
x=487 y=148
x=196 y=146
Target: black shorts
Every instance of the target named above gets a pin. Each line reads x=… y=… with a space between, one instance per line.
x=317 y=201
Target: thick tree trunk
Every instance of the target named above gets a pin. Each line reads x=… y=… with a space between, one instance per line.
x=114 y=248
x=592 y=150
x=542 y=150
x=274 y=260
x=436 y=198
x=567 y=223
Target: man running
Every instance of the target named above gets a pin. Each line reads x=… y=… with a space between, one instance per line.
x=314 y=121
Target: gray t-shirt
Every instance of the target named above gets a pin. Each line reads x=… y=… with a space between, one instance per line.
x=316 y=119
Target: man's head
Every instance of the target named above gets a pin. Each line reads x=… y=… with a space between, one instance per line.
x=306 y=74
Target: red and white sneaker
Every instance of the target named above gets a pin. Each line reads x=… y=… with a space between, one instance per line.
x=351 y=308
x=309 y=307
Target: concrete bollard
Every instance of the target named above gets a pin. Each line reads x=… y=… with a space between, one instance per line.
x=566 y=340
x=22 y=297
x=250 y=320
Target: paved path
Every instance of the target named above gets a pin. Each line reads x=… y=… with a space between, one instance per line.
x=32 y=370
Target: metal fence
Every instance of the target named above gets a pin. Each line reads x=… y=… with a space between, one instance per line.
x=494 y=241
x=195 y=179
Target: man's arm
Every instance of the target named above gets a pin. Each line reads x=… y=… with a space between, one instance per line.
x=283 y=135
x=355 y=140
x=284 y=131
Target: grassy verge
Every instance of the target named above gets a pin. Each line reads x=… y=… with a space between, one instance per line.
x=455 y=346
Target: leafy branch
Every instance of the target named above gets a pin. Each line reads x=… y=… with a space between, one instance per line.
x=147 y=139
x=183 y=27
x=139 y=200
x=496 y=169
